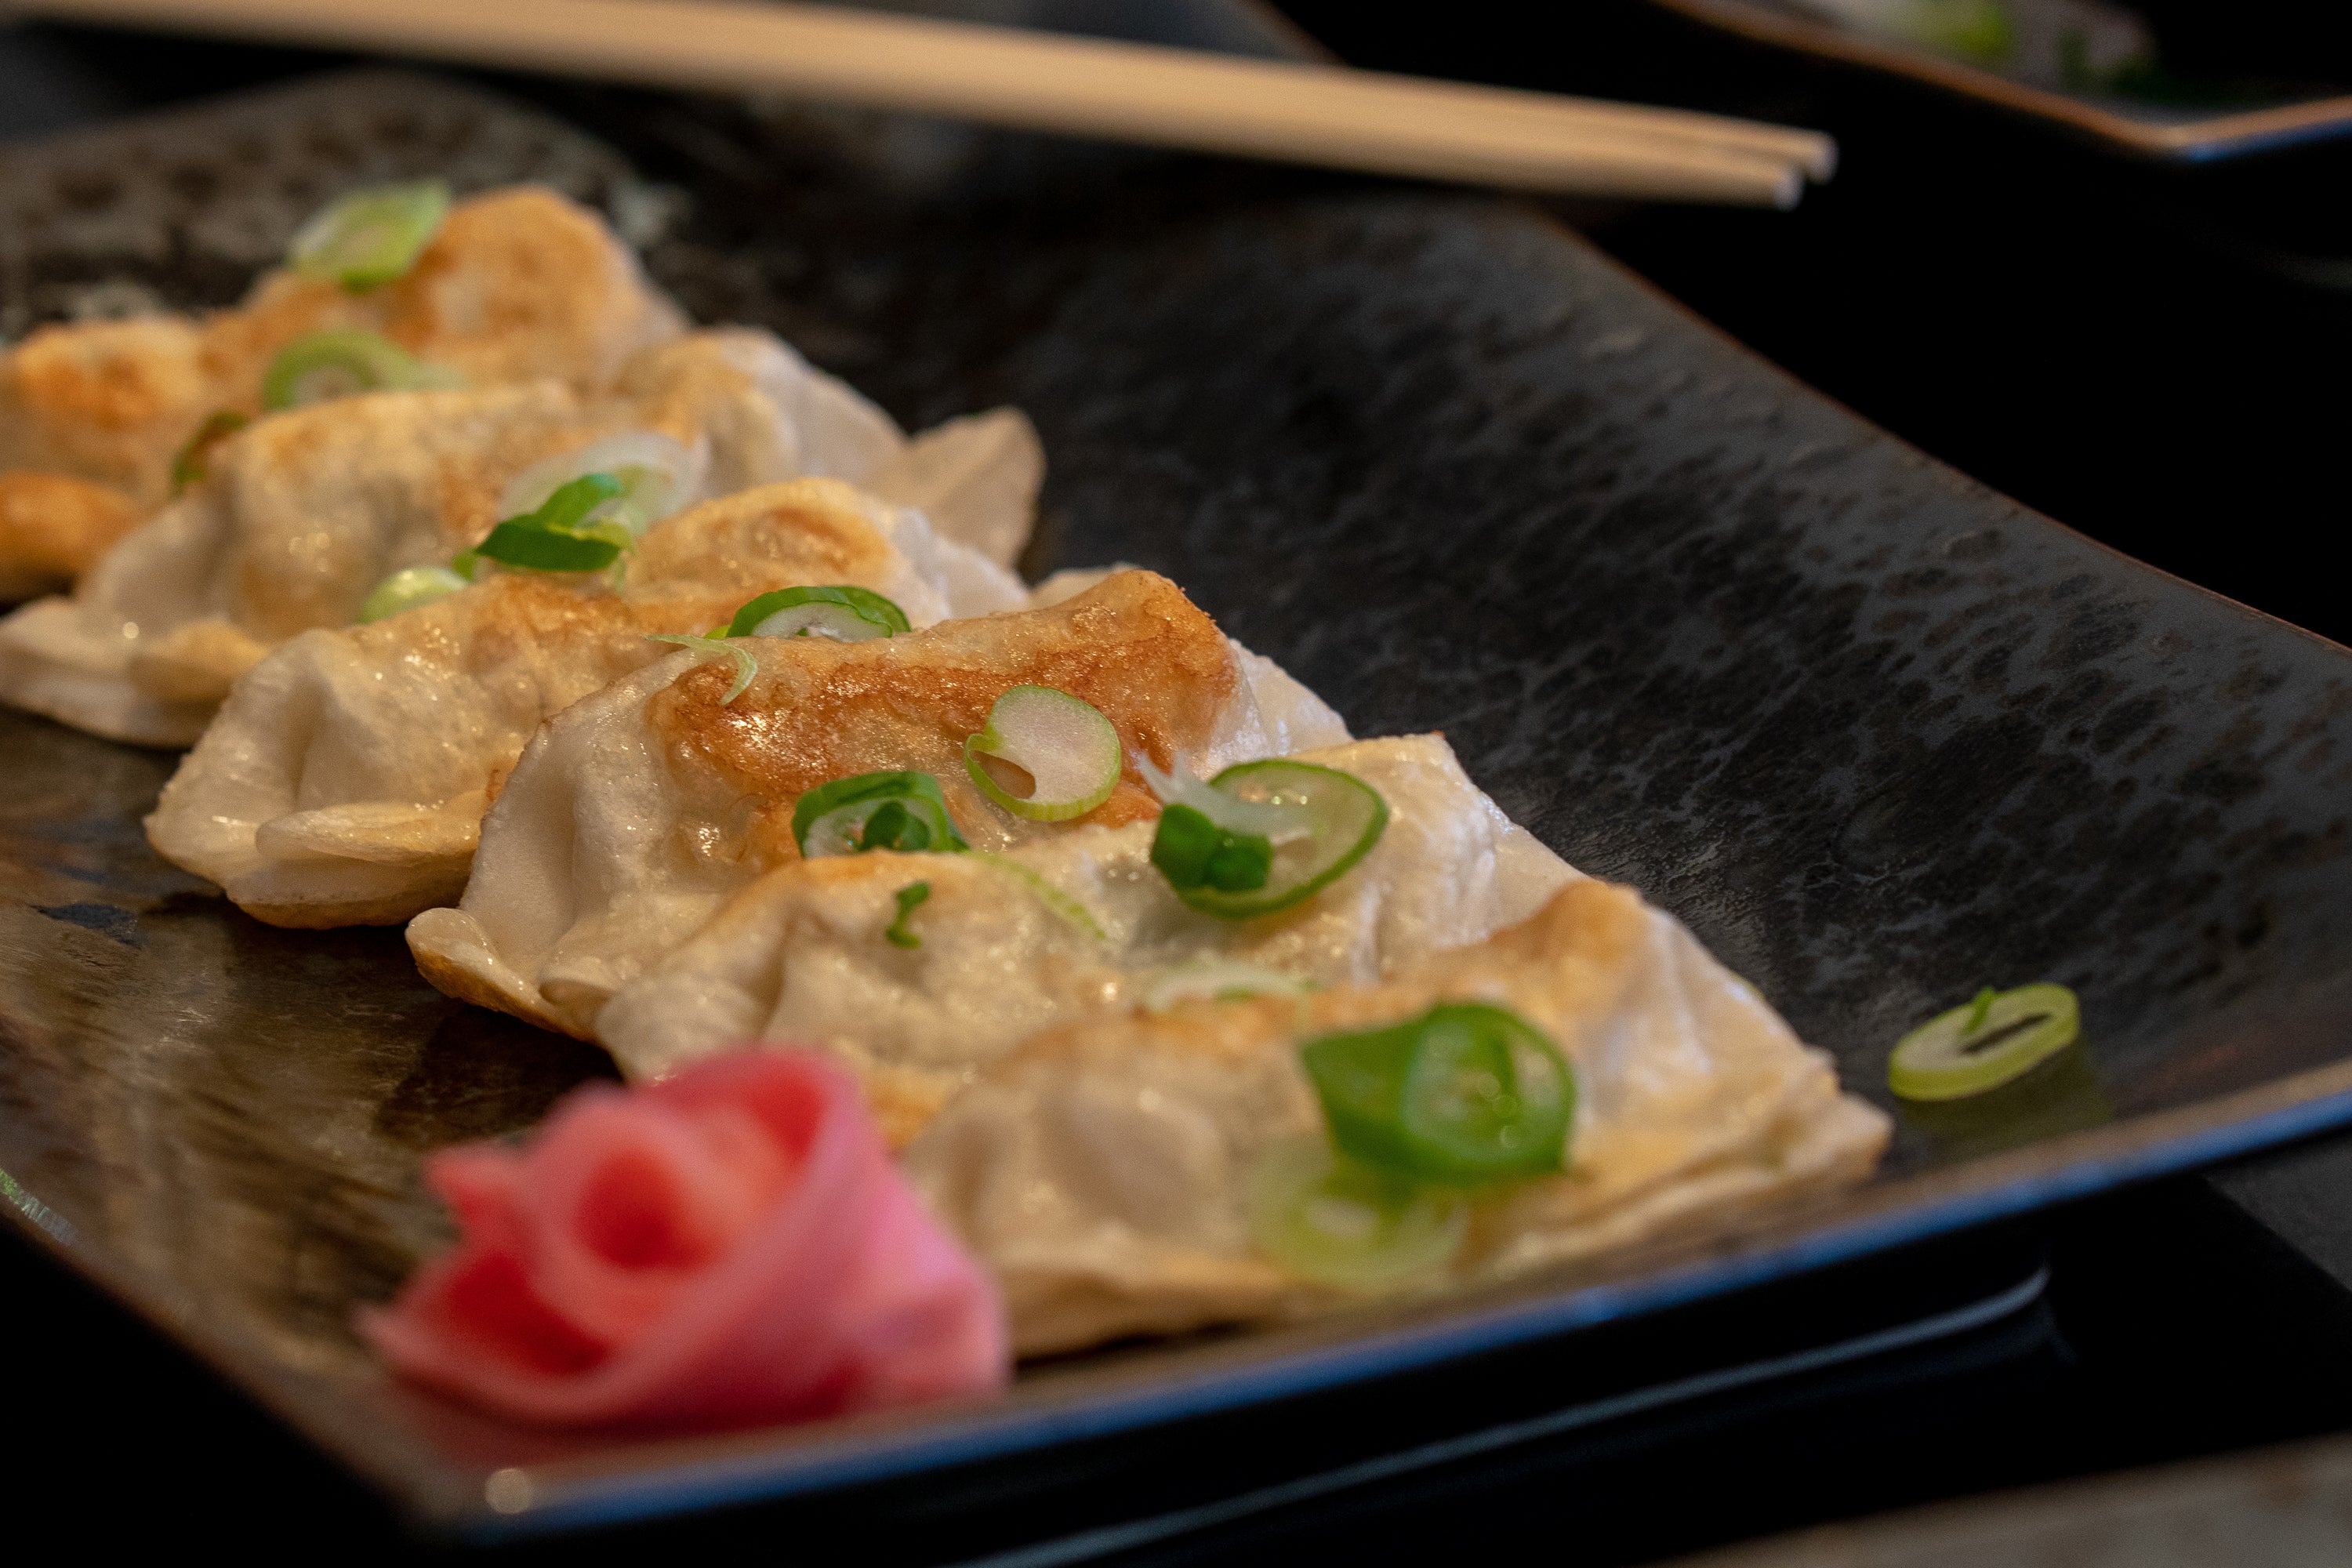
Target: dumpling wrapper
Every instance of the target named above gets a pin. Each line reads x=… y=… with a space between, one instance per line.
x=635 y=813
x=345 y=779
x=799 y=955
x=303 y=513
x=518 y=285
x=1101 y=1169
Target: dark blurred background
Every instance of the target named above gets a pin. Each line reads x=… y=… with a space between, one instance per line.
x=2154 y=353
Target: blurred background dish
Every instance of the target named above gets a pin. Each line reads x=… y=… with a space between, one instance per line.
x=2154 y=79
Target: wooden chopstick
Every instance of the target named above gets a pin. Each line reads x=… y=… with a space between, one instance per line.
x=1307 y=113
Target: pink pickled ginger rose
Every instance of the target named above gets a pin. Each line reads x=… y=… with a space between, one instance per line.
x=729 y=1245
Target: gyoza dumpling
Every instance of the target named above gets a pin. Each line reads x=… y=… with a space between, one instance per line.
x=303 y=513
x=345 y=779
x=976 y=478
x=1102 y=1170
x=799 y=955
x=517 y=285
x=635 y=813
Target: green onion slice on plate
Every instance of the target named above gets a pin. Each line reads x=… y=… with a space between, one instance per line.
x=1336 y=1222
x=323 y=365
x=901 y=811
x=563 y=535
x=657 y=475
x=1045 y=755
x=1984 y=1043
x=840 y=611
x=1262 y=836
x=406 y=589
x=746 y=666
x=1465 y=1094
x=188 y=467
x=370 y=237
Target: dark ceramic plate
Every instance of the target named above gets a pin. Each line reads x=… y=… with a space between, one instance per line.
x=1877 y=734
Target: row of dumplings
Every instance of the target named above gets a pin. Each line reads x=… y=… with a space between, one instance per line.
x=1090 y=1068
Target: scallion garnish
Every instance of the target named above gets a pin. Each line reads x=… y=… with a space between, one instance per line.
x=407 y=588
x=656 y=473
x=910 y=897
x=1262 y=836
x=564 y=534
x=188 y=467
x=1336 y=1222
x=1984 y=1043
x=1465 y=1094
x=370 y=237
x=323 y=365
x=841 y=611
x=1063 y=906
x=746 y=666
x=902 y=810
x=1213 y=977
x=1045 y=754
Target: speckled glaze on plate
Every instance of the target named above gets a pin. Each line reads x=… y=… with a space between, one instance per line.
x=1877 y=734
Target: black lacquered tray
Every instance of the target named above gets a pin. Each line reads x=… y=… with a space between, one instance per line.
x=1878 y=735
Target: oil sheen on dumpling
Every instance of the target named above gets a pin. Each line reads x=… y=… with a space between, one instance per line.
x=1101 y=1168
x=345 y=779
x=518 y=285
x=635 y=813
x=799 y=955
x=300 y=515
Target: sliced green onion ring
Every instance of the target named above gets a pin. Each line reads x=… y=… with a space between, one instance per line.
x=370 y=237
x=910 y=898
x=1059 y=903
x=1984 y=1043
x=1261 y=836
x=1465 y=1094
x=657 y=475
x=1045 y=754
x=1216 y=978
x=1336 y=1222
x=903 y=811
x=842 y=611
x=562 y=535
x=746 y=666
x=323 y=365
x=406 y=589
x=188 y=467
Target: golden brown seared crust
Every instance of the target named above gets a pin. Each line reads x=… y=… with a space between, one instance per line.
x=108 y=401
x=54 y=527
x=516 y=282
x=1133 y=646
x=519 y=285
x=814 y=524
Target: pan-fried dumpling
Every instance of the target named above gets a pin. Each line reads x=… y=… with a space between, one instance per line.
x=345 y=779
x=1101 y=1169
x=517 y=285
x=799 y=955
x=976 y=478
x=52 y=527
x=635 y=813
x=303 y=513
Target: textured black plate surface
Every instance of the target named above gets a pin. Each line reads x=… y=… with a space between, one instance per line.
x=1878 y=735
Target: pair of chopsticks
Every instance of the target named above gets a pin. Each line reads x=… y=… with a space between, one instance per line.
x=1303 y=113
